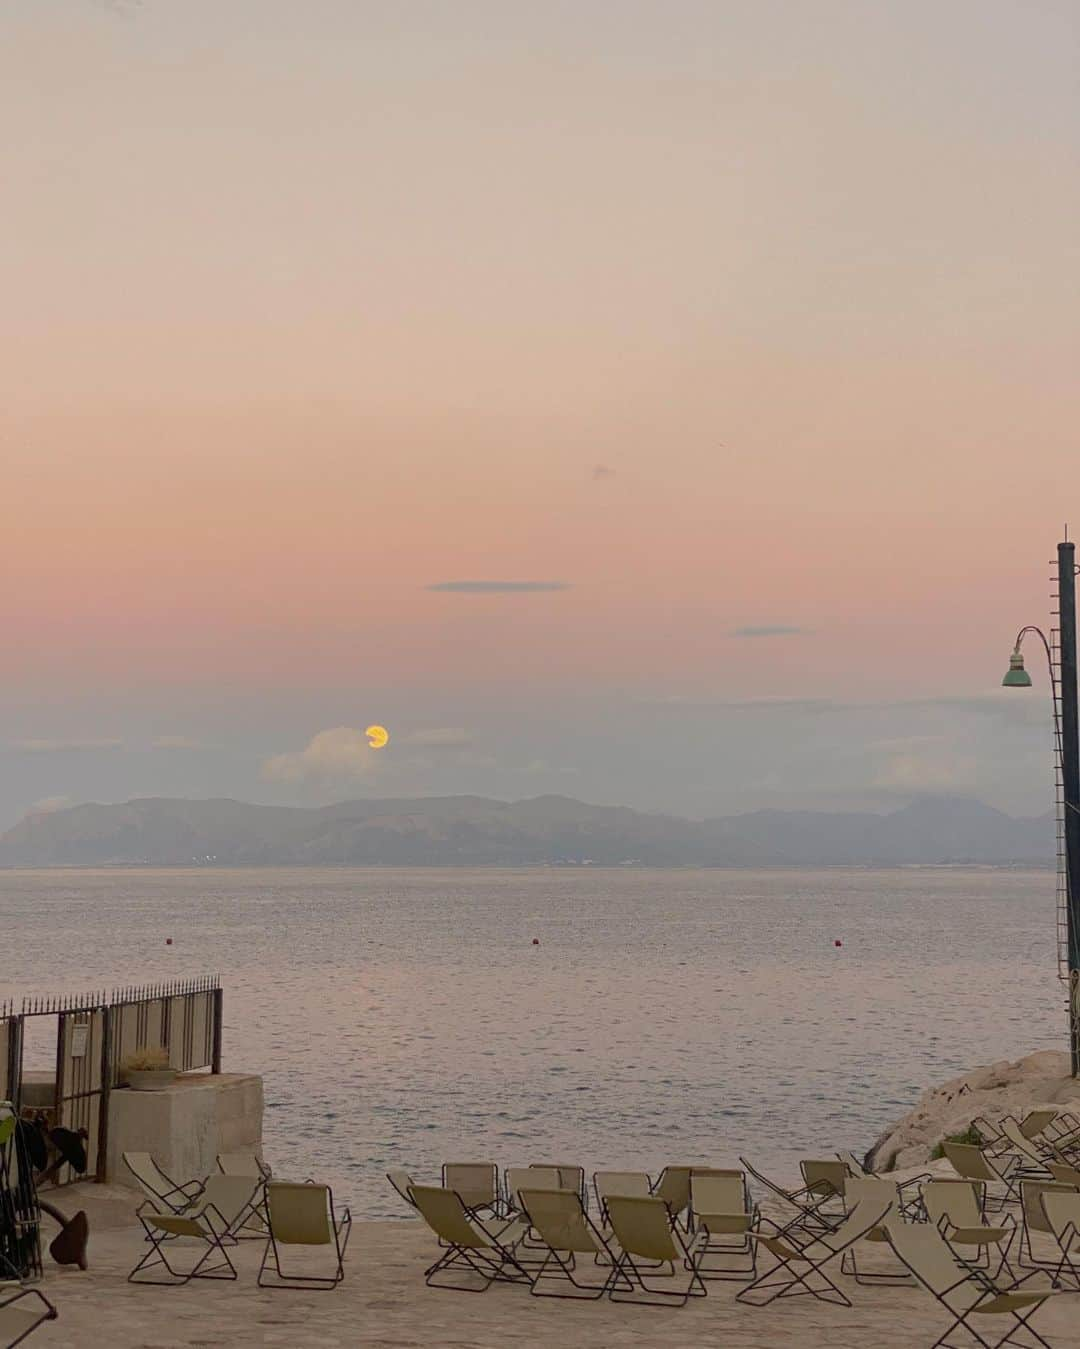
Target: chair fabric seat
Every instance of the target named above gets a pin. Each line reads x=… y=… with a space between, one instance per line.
x=979 y=1236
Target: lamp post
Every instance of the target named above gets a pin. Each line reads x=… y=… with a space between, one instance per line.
x=1067 y=748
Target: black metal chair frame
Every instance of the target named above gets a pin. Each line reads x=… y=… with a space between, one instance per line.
x=313 y=1282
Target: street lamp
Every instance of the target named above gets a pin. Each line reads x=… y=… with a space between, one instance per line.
x=1067 y=750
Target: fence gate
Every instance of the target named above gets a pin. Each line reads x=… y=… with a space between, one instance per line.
x=80 y=1085
x=11 y=1027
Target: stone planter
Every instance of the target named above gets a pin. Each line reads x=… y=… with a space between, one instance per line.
x=150 y=1079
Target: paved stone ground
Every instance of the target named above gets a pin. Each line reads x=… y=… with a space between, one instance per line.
x=384 y=1304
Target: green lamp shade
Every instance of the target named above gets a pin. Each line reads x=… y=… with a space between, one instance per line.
x=1018 y=677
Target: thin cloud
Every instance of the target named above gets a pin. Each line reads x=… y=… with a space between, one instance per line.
x=769 y=630
x=496 y=587
x=174 y=742
x=602 y=471
x=64 y=746
x=341 y=754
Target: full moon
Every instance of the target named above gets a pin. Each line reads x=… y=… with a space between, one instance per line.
x=378 y=736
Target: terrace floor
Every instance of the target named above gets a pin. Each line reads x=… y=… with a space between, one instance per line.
x=384 y=1304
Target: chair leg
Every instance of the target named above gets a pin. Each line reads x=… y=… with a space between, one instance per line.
x=798 y=1285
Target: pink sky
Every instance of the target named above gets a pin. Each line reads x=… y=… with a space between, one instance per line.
x=308 y=308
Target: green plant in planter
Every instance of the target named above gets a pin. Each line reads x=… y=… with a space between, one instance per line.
x=970 y=1136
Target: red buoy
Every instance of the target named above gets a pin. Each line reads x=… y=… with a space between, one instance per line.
x=168 y=941
x=536 y=941
x=838 y=942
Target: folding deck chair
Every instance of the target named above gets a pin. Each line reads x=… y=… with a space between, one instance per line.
x=607 y=1183
x=872 y=1191
x=645 y=1229
x=788 y=1278
x=972 y=1163
x=300 y=1214
x=570 y=1178
x=1062 y=1209
x=565 y=1231
x=1032 y=1157
x=723 y=1219
x=808 y=1206
x=1034 y=1123
x=204 y=1223
x=1035 y=1223
x=910 y=1205
x=963 y=1291
x=957 y=1208
x=469 y=1246
x=672 y=1185
x=477 y=1183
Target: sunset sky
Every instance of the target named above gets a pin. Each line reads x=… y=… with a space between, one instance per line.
x=729 y=345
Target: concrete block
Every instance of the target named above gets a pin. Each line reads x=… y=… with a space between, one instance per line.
x=186 y=1124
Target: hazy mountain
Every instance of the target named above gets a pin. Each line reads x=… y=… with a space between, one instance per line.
x=469 y=830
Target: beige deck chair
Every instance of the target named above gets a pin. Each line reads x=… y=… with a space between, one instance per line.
x=476 y=1182
x=565 y=1231
x=873 y=1192
x=243 y=1164
x=672 y=1185
x=1036 y=1225
x=909 y=1190
x=1064 y=1174
x=645 y=1229
x=960 y=1291
x=801 y=1264
x=957 y=1208
x=972 y=1163
x=825 y=1178
x=607 y=1183
x=1034 y=1123
x=1031 y=1158
x=517 y=1178
x=723 y=1218
x=470 y=1247
x=402 y=1183
x=22 y=1310
x=204 y=1223
x=570 y=1178
x=1062 y=1210
x=159 y=1188
x=299 y=1215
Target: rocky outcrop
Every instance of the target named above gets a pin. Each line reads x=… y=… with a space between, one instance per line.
x=1003 y=1088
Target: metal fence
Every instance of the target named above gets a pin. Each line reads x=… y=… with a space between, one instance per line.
x=95 y=1034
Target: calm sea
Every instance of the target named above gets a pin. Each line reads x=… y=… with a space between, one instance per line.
x=401 y=1018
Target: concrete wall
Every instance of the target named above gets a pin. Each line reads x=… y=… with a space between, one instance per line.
x=186 y=1124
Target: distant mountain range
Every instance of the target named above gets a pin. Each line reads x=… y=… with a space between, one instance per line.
x=546 y=830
